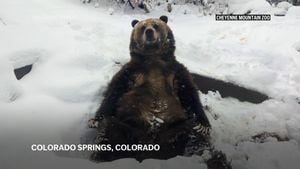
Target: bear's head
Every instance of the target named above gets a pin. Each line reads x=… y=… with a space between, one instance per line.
x=152 y=37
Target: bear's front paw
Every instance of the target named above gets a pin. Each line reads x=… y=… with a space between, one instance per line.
x=202 y=129
x=93 y=123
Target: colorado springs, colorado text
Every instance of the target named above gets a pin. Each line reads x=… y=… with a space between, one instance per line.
x=95 y=147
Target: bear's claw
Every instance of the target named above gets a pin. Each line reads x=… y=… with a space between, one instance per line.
x=202 y=129
x=93 y=123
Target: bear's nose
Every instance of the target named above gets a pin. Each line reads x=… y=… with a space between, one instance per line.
x=149 y=34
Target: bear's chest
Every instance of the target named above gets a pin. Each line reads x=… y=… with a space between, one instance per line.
x=154 y=79
x=153 y=96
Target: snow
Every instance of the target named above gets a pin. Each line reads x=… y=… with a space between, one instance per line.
x=282 y=8
x=297 y=46
x=293 y=12
x=9 y=87
x=280 y=12
x=74 y=47
x=271 y=154
x=254 y=6
x=284 y=5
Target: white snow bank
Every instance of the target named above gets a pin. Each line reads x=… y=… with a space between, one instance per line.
x=279 y=11
x=260 y=54
x=294 y=12
x=269 y=155
x=284 y=5
x=281 y=8
x=26 y=57
x=297 y=46
x=10 y=89
x=253 y=6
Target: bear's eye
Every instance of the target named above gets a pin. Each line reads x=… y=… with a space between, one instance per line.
x=155 y=26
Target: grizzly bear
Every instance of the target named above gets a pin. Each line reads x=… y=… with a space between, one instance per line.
x=151 y=100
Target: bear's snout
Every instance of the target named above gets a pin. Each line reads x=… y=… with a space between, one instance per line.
x=149 y=34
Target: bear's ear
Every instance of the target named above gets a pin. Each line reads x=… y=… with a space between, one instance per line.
x=134 y=22
x=164 y=18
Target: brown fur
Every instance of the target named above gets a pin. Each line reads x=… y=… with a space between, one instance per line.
x=152 y=99
x=152 y=93
x=160 y=99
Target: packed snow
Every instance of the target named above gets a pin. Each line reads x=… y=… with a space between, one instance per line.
x=75 y=48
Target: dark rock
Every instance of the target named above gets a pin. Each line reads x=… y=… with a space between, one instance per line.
x=227 y=89
x=22 y=71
